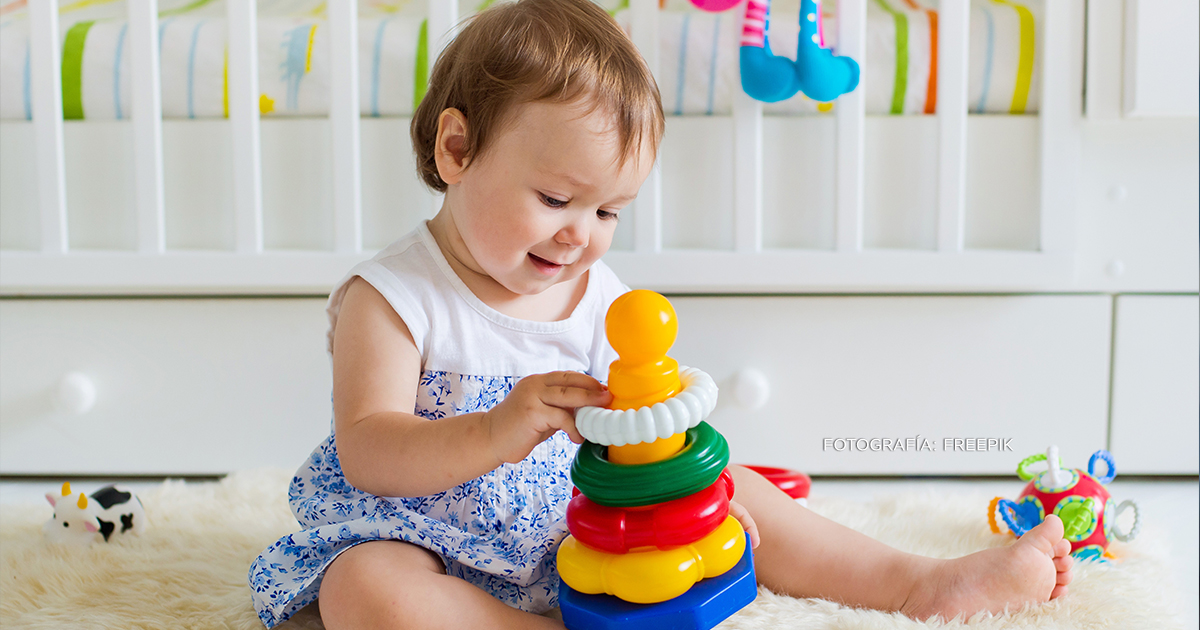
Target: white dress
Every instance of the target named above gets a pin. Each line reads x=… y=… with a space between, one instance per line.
x=499 y=531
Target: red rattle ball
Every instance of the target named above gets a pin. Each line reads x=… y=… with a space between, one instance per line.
x=1088 y=512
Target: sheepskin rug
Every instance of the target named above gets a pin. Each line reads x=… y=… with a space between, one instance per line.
x=189 y=569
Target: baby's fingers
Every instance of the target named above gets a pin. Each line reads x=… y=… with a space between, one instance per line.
x=571 y=378
x=739 y=512
x=569 y=390
x=568 y=427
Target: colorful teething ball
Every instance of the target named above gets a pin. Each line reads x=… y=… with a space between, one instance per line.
x=1079 y=498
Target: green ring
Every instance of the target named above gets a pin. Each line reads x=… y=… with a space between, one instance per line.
x=1029 y=461
x=696 y=466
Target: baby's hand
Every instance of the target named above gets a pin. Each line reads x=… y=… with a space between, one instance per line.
x=737 y=511
x=537 y=407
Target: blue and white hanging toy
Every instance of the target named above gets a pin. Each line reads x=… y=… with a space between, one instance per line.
x=817 y=72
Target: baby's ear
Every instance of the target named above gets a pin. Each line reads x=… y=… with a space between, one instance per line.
x=450 y=152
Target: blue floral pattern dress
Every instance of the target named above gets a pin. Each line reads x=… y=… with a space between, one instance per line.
x=497 y=531
x=500 y=531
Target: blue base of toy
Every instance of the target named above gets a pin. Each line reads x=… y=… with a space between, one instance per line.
x=705 y=605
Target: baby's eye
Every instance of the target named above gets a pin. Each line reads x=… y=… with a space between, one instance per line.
x=551 y=201
x=605 y=215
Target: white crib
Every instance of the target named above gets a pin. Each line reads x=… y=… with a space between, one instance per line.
x=900 y=207
x=738 y=260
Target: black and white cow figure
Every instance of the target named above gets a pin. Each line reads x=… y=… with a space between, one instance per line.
x=111 y=510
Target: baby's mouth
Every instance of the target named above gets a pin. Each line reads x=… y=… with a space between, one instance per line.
x=543 y=264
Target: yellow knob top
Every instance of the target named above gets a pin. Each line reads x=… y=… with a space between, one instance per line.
x=641 y=326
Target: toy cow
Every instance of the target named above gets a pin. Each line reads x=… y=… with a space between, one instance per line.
x=108 y=511
x=1079 y=498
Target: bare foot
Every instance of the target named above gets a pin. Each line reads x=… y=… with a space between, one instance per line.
x=1036 y=568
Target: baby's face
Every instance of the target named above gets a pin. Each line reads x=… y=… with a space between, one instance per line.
x=541 y=203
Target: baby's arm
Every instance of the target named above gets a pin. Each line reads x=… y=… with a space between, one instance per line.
x=387 y=450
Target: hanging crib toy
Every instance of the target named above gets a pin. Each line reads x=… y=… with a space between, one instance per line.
x=1079 y=498
x=817 y=72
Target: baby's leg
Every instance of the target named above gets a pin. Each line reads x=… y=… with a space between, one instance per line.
x=394 y=585
x=806 y=555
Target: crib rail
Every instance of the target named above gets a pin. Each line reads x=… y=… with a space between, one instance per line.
x=852 y=31
x=748 y=267
x=45 y=79
x=243 y=117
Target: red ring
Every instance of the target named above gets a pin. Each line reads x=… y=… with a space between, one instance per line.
x=793 y=482
x=670 y=524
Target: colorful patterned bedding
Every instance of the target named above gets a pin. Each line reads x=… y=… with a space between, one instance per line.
x=293 y=49
x=698 y=58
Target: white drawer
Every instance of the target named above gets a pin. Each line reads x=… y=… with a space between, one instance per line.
x=1156 y=384
x=1030 y=368
x=183 y=386
x=208 y=386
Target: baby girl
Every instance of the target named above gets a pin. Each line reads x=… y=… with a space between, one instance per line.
x=461 y=351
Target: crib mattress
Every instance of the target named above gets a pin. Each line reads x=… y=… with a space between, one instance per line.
x=698 y=58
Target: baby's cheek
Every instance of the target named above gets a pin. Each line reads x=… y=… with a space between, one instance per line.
x=593 y=253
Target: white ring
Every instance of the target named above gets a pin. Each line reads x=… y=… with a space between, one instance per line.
x=1137 y=521
x=618 y=427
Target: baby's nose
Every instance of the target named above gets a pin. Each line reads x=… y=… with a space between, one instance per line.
x=573 y=236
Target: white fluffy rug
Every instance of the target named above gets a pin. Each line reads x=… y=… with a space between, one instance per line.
x=189 y=569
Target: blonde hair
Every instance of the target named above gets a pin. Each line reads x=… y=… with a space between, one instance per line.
x=561 y=51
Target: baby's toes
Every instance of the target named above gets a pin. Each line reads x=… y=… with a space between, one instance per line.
x=1062 y=549
x=1064 y=563
x=1058 y=591
x=1046 y=537
x=1064 y=578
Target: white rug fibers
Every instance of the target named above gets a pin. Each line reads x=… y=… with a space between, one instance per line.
x=188 y=570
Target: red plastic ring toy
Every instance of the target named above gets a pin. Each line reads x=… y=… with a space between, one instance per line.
x=793 y=482
x=670 y=524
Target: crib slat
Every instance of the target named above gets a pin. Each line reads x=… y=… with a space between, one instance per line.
x=46 y=103
x=443 y=18
x=344 y=124
x=147 y=126
x=747 y=173
x=851 y=120
x=243 y=119
x=1059 y=45
x=647 y=226
x=953 y=47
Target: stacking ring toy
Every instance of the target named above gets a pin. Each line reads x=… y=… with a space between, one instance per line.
x=794 y=483
x=704 y=455
x=671 y=524
x=618 y=427
x=655 y=575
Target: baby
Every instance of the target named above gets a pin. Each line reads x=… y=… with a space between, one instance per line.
x=461 y=351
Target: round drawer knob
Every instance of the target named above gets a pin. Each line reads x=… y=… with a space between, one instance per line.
x=751 y=389
x=76 y=393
